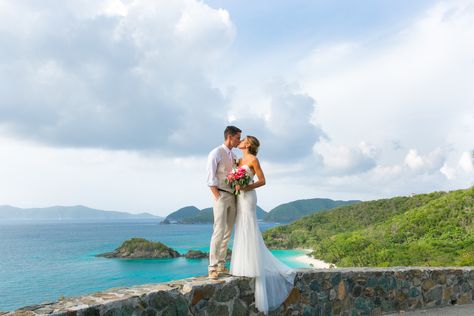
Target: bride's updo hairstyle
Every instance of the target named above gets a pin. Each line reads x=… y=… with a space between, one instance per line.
x=254 y=144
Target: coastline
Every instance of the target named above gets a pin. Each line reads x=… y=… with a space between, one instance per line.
x=88 y=268
x=313 y=262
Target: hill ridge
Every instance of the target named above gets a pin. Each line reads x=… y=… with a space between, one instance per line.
x=291 y=211
x=59 y=212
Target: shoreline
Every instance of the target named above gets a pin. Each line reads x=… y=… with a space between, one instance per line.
x=311 y=261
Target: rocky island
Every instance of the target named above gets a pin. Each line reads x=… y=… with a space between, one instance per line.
x=140 y=248
x=196 y=254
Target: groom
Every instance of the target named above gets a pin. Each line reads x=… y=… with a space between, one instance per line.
x=219 y=164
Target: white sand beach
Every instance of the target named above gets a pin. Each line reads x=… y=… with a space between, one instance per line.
x=313 y=262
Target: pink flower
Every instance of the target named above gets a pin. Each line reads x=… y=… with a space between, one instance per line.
x=238 y=176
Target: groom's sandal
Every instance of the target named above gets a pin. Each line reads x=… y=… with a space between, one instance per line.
x=213 y=274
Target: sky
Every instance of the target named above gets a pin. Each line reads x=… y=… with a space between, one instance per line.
x=115 y=104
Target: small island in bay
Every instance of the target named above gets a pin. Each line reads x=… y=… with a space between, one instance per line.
x=196 y=254
x=140 y=248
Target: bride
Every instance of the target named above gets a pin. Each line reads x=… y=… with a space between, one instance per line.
x=250 y=257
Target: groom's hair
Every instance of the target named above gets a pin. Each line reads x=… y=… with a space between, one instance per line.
x=231 y=131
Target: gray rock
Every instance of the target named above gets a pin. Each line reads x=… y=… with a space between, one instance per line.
x=239 y=308
x=226 y=293
x=367 y=291
x=217 y=309
x=434 y=294
x=196 y=254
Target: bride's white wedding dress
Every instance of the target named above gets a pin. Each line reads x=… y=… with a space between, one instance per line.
x=251 y=258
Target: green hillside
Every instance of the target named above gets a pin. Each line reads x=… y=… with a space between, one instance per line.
x=261 y=213
x=206 y=216
x=425 y=229
x=184 y=212
x=292 y=211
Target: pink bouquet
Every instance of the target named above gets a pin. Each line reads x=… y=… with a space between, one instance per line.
x=238 y=176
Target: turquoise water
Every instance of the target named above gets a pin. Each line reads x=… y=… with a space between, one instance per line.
x=42 y=261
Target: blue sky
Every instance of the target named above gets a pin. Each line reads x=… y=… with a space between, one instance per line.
x=115 y=104
x=266 y=26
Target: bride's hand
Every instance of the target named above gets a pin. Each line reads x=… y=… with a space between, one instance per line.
x=237 y=187
x=245 y=189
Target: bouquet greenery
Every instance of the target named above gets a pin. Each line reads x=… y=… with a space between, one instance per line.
x=238 y=176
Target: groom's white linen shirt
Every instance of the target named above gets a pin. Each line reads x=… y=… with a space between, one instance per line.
x=213 y=159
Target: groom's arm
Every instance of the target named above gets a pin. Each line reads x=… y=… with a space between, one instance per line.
x=212 y=182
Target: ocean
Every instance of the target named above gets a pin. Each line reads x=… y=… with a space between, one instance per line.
x=42 y=261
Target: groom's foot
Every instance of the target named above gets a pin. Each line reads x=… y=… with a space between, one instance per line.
x=223 y=270
x=213 y=274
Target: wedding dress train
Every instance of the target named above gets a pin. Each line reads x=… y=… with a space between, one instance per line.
x=251 y=258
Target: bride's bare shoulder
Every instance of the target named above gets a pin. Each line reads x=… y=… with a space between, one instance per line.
x=254 y=161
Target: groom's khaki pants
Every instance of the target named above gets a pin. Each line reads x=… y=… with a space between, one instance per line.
x=224 y=219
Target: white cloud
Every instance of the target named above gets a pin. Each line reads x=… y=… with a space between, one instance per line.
x=282 y=123
x=386 y=114
x=430 y=162
x=463 y=169
x=387 y=172
x=466 y=162
x=449 y=172
x=138 y=75
x=114 y=8
x=346 y=160
x=119 y=75
x=103 y=179
x=410 y=88
x=397 y=87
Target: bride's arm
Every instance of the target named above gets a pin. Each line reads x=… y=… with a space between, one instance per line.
x=259 y=173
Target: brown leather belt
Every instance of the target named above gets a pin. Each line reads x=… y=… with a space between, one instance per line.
x=224 y=190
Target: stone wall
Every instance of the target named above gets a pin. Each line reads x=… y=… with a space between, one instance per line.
x=366 y=291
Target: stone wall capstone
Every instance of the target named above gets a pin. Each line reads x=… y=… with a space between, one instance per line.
x=353 y=291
